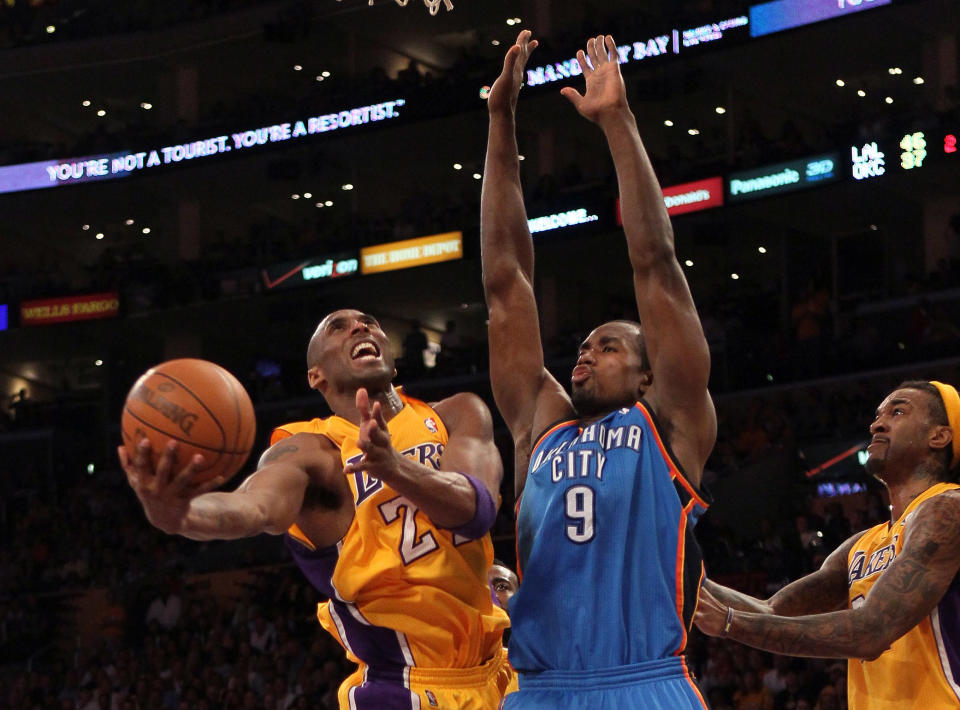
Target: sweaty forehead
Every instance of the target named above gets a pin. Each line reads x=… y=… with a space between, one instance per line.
x=902 y=396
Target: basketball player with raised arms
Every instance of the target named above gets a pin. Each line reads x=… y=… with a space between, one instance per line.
x=609 y=568
x=889 y=597
x=386 y=508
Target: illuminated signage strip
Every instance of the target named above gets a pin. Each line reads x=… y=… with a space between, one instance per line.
x=3 y=316
x=657 y=46
x=51 y=173
x=694 y=196
x=411 y=252
x=69 y=308
x=304 y=273
x=780 y=15
x=783 y=177
x=560 y=220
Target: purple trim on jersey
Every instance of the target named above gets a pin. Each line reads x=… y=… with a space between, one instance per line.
x=485 y=511
x=377 y=646
x=948 y=611
x=317 y=565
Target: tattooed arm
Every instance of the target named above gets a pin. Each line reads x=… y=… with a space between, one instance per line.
x=904 y=594
x=268 y=501
x=823 y=590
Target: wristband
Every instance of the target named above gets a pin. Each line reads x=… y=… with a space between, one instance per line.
x=484 y=514
x=728 y=623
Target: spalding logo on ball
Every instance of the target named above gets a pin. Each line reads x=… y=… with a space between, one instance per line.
x=200 y=405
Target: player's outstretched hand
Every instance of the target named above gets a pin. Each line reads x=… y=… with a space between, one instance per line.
x=379 y=458
x=710 y=616
x=605 y=94
x=165 y=494
x=504 y=92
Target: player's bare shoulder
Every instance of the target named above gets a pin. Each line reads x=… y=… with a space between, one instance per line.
x=461 y=408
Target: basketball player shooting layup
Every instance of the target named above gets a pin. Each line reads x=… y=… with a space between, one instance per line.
x=386 y=507
x=609 y=569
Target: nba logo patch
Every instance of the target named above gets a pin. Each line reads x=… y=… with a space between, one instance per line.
x=431 y=424
x=431 y=698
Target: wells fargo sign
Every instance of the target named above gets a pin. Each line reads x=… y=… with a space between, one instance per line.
x=69 y=308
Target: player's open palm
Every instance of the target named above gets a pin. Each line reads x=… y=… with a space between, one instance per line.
x=605 y=92
x=379 y=458
x=506 y=89
x=164 y=493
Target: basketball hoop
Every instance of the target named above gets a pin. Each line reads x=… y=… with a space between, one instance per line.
x=432 y=5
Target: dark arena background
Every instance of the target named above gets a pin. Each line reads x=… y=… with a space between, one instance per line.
x=208 y=178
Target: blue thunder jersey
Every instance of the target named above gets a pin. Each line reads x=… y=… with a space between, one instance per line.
x=609 y=568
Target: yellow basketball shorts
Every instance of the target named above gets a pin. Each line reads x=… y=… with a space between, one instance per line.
x=411 y=688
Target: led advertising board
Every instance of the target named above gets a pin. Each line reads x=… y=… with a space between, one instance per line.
x=670 y=42
x=292 y=274
x=561 y=220
x=52 y=173
x=780 y=15
x=694 y=196
x=411 y=252
x=867 y=161
x=783 y=177
x=69 y=308
x=3 y=316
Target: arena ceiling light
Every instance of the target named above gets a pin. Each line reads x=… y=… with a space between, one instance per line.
x=145 y=230
x=495 y=42
x=888 y=100
x=346 y=186
x=325 y=74
x=99 y=235
x=86 y=102
x=668 y=123
x=297 y=67
x=735 y=276
x=918 y=80
x=477 y=176
x=146 y=105
x=101 y=113
x=893 y=71
x=51 y=29
x=85 y=227
x=129 y=222
x=457 y=166
x=307 y=195
x=693 y=131
x=841 y=83
x=762 y=250
x=720 y=109
x=861 y=93
x=295 y=196
x=521 y=157
x=328 y=203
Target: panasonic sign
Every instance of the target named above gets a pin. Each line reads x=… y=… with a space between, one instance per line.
x=783 y=177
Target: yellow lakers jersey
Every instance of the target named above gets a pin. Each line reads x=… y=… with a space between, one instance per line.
x=402 y=591
x=921 y=669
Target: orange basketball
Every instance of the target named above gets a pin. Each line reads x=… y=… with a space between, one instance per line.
x=197 y=403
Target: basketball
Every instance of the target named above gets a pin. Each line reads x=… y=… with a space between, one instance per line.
x=200 y=405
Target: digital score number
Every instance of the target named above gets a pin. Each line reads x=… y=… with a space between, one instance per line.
x=914 y=147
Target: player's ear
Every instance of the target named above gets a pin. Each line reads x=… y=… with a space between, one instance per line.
x=316 y=379
x=940 y=437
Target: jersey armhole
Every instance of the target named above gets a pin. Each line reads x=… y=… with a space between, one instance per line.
x=699 y=493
